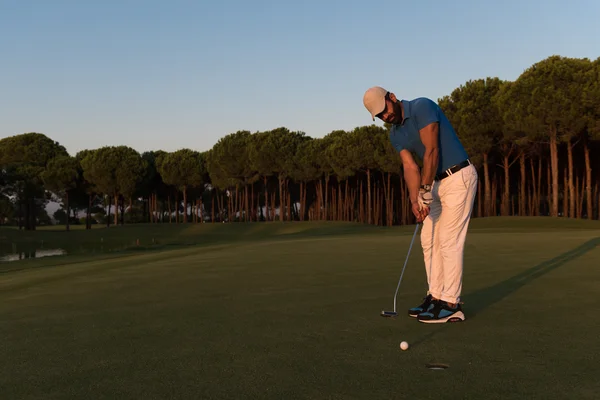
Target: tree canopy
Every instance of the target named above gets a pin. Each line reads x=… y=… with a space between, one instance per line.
x=532 y=141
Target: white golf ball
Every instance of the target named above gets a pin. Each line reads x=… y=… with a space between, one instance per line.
x=404 y=345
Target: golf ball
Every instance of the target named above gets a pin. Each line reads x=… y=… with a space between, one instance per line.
x=404 y=345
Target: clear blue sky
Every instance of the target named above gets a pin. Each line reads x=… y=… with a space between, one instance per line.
x=173 y=74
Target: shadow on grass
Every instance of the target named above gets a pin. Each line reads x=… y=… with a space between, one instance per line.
x=436 y=328
x=483 y=298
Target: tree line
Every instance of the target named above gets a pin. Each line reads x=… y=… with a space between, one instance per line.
x=531 y=140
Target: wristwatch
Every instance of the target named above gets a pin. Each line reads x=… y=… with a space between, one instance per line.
x=426 y=187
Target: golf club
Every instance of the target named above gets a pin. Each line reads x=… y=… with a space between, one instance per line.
x=394 y=313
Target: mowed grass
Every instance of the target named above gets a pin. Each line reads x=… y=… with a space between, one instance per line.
x=291 y=311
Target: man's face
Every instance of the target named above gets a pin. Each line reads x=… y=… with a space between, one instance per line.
x=392 y=113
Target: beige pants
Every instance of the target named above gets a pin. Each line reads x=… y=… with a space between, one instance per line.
x=444 y=231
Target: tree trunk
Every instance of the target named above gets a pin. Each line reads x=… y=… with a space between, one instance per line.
x=160 y=210
x=177 y=204
x=392 y=208
x=68 y=227
x=108 y=212
x=523 y=196
x=145 y=208
x=488 y=193
x=339 y=206
x=273 y=205
x=344 y=202
x=332 y=213
x=588 y=182
x=390 y=200
x=200 y=207
x=28 y=214
x=479 y=199
x=361 y=206
x=506 y=196
x=319 y=205
x=116 y=222
x=494 y=203
x=571 y=181
x=580 y=197
x=27 y=222
x=289 y=200
x=281 y=200
x=565 y=210
x=512 y=201
x=194 y=211
x=305 y=201
x=185 y=205
x=219 y=207
x=230 y=206
x=170 y=211
x=212 y=208
x=385 y=194
x=554 y=169
x=369 y=203
x=246 y=204
x=252 y=207
x=266 y=199
x=404 y=202
x=345 y=215
x=380 y=204
x=326 y=210
x=155 y=208
x=20 y=213
x=33 y=214
x=375 y=204
x=122 y=210
x=229 y=209
x=531 y=204
x=88 y=213
x=597 y=200
x=550 y=191
x=539 y=186
x=303 y=187
x=239 y=203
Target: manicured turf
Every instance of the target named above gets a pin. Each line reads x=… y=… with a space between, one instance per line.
x=282 y=311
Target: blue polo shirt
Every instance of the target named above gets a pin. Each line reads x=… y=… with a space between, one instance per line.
x=419 y=113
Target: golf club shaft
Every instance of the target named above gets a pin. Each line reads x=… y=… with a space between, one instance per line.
x=405 y=262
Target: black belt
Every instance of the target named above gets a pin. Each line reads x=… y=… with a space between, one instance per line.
x=452 y=170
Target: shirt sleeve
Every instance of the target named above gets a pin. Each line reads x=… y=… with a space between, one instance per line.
x=425 y=112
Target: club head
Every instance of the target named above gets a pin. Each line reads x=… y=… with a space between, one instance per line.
x=389 y=314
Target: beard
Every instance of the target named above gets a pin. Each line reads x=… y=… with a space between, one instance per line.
x=396 y=117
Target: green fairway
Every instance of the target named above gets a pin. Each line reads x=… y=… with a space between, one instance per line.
x=286 y=311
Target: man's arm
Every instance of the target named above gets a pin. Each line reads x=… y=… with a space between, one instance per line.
x=429 y=137
x=412 y=175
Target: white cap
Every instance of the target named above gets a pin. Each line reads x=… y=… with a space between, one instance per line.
x=374 y=100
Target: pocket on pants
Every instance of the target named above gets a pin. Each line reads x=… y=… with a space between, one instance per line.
x=469 y=176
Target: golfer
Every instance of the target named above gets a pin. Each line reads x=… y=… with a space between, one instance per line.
x=442 y=194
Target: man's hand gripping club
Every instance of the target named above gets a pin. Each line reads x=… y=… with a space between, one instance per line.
x=420 y=208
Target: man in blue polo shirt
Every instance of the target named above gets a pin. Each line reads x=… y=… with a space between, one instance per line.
x=442 y=194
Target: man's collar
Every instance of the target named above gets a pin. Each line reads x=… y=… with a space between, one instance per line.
x=406 y=110
x=406 y=106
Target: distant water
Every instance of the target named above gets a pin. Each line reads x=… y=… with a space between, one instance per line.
x=23 y=255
